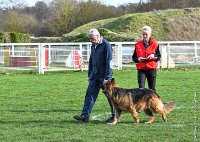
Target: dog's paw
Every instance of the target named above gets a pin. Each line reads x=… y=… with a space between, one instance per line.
x=111 y=124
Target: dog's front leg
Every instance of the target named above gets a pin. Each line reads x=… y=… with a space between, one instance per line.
x=117 y=116
x=114 y=121
x=135 y=116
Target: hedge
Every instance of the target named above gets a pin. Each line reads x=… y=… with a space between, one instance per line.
x=12 y=37
x=107 y=34
x=1 y=37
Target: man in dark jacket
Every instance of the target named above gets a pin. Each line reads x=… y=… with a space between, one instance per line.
x=146 y=55
x=99 y=72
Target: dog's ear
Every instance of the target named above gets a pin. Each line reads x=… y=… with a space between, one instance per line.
x=113 y=81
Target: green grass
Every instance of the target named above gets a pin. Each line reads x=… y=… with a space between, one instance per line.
x=41 y=108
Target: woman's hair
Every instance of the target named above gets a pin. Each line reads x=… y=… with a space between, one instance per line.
x=146 y=29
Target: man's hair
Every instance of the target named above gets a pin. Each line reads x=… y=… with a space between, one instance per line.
x=146 y=29
x=93 y=32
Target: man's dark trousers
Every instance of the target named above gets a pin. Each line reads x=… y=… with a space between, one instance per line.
x=95 y=84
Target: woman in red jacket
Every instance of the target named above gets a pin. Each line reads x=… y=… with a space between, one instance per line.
x=146 y=55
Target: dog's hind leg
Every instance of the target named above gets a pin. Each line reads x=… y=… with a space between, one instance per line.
x=167 y=108
x=164 y=116
x=156 y=105
x=150 y=114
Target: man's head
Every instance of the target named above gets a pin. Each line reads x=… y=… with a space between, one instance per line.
x=146 y=33
x=94 y=36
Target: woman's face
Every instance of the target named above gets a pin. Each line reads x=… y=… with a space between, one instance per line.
x=146 y=36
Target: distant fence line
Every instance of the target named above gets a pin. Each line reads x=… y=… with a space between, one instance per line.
x=42 y=57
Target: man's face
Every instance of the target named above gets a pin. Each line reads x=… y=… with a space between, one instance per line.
x=94 y=39
x=146 y=36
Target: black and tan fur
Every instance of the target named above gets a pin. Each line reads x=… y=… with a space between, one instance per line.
x=136 y=100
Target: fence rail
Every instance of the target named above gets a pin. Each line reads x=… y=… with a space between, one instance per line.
x=43 y=57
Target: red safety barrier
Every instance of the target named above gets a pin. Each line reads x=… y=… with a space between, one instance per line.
x=46 y=57
x=77 y=60
x=20 y=61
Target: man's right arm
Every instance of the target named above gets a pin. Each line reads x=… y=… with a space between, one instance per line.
x=90 y=66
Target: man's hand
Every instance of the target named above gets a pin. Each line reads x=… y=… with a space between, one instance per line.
x=105 y=81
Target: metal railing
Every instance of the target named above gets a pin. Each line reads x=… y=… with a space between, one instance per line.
x=43 y=57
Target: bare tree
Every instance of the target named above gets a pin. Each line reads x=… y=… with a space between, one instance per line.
x=12 y=4
x=19 y=22
x=93 y=10
x=62 y=12
x=41 y=11
x=1 y=17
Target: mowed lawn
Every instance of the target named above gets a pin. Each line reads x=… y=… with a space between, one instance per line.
x=40 y=108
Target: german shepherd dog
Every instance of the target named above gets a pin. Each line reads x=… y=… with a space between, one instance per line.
x=136 y=100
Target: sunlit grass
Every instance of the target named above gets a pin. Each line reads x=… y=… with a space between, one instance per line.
x=41 y=108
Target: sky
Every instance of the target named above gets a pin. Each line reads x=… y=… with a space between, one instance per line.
x=107 y=2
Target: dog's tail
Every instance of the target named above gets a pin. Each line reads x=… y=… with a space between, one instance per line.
x=169 y=106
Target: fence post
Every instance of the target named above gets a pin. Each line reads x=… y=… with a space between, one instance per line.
x=13 y=49
x=168 y=55
x=41 y=59
x=161 y=62
x=195 y=52
x=118 y=55
x=49 y=53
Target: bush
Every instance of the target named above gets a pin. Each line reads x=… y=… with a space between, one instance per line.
x=107 y=34
x=80 y=37
x=46 y=40
x=14 y=38
x=1 y=37
x=19 y=37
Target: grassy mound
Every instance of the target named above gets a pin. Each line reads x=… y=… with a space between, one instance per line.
x=171 y=24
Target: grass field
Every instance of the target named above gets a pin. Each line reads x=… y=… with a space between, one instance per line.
x=40 y=108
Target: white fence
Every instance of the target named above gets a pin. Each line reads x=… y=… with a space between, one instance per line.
x=43 y=57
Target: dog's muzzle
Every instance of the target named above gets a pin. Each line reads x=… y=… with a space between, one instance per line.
x=104 y=91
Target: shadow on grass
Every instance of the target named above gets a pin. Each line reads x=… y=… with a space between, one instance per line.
x=44 y=111
x=48 y=122
x=66 y=123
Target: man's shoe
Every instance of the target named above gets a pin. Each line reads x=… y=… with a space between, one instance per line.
x=82 y=118
x=110 y=120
